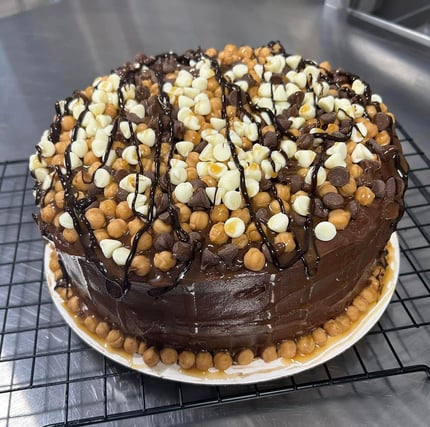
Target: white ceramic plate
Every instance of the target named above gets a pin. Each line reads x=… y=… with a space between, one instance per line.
x=258 y=370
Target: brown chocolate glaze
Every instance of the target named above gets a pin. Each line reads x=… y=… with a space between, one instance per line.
x=226 y=307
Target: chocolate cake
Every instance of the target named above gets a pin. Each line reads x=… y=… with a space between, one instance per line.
x=217 y=206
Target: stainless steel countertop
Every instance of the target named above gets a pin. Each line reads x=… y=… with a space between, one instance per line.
x=49 y=51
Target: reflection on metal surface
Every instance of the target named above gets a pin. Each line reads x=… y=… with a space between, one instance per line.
x=12 y=7
x=48 y=376
x=411 y=21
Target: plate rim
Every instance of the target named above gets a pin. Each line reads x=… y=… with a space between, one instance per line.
x=258 y=370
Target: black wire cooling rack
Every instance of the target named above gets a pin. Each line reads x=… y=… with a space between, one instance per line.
x=48 y=376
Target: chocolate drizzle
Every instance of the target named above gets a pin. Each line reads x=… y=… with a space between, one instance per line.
x=157 y=68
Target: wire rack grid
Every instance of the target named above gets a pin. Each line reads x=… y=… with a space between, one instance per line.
x=48 y=376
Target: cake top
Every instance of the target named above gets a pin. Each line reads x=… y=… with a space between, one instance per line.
x=234 y=159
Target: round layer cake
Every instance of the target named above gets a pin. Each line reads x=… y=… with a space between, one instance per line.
x=217 y=201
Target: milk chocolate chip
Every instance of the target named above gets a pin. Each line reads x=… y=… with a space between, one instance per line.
x=228 y=253
x=338 y=176
x=382 y=121
x=333 y=200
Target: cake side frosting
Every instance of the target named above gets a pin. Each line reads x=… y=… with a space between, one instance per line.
x=218 y=200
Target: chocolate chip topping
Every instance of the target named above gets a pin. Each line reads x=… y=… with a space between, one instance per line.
x=390 y=188
x=305 y=142
x=353 y=206
x=296 y=98
x=333 y=200
x=182 y=251
x=163 y=242
x=338 y=176
x=382 y=121
x=199 y=200
x=319 y=210
x=228 y=253
x=296 y=182
x=270 y=140
x=209 y=259
x=327 y=118
x=378 y=188
x=283 y=122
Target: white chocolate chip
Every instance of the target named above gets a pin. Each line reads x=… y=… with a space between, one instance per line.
x=184 y=79
x=216 y=169
x=120 y=255
x=138 y=200
x=325 y=231
x=358 y=87
x=75 y=161
x=291 y=88
x=278 y=222
x=66 y=221
x=275 y=63
x=289 y=148
x=96 y=108
x=79 y=147
x=252 y=186
x=102 y=178
x=192 y=122
x=139 y=110
x=338 y=147
x=47 y=182
x=321 y=175
x=177 y=175
x=129 y=154
x=267 y=169
x=106 y=86
x=40 y=174
x=191 y=92
x=280 y=94
x=253 y=171
x=232 y=200
x=202 y=169
x=203 y=105
x=235 y=138
x=147 y=137
x=307 y=111
x=305 y=157
x=111 y=158
x=103 y=120
x=92 y=127
x=108 y=246
x=99 y=96
x=376 y=98
x=279 y=160
x=98 y=147
x=251 y=132
x=234 y=227
x=358 y=110
x=265 y=90
x=185 y=101
x=222 y=152
x=114 y=80
x=326 y=103
x=177 y=163
x=297 y=122
x=301 y=205
x=184 y=148
x=336 y=159
x=183 y=192
x=35 y=162
x=361 y=152
x=206 y=154
x=128 y=183
x=217 y=123
x=243 y=85
x=47 y=148
x=229 y=180
x=293 y=61
x=239 y=70
x=200 y=83
x=260 y=152
x=128 y=91
x=215 y=194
